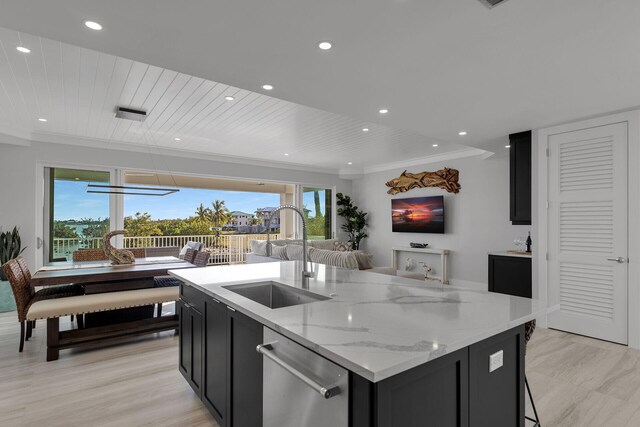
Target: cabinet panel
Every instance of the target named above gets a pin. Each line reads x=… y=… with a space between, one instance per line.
x=197 y=339
x=191 y=336
x=214 y=393
x=510 y=275
x=185 y=339
x=497 y=398
x=245 y=366
x=435 y=393
x=520 y=178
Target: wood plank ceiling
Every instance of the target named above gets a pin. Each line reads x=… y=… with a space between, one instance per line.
x=77 y=90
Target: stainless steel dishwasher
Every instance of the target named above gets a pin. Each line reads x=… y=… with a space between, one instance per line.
x=301 y=388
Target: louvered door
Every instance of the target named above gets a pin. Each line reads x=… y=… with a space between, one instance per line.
x=588 y=232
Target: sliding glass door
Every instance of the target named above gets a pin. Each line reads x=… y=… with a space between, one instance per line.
x=74 y=219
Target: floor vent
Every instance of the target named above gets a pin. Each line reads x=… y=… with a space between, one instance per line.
x=492 y=3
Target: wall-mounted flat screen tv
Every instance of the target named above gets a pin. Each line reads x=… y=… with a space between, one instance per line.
x=418 y=215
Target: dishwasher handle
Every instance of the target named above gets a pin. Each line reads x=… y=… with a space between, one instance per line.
x=326 y=392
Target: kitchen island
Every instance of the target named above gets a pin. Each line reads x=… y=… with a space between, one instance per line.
x=380 y=350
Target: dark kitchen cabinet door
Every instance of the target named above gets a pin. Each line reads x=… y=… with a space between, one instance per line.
x=510 y=275
x=435 y=393
x=214 y=394
x=245 y=368
x=496 y=398
x=520 y=178
x=191 y=344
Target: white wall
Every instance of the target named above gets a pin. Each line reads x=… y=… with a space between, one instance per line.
x=476 y=219
x=18 y=177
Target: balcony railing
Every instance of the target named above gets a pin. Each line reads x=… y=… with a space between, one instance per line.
x=223 y=249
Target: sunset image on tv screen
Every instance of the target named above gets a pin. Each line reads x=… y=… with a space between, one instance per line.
x=418 y=215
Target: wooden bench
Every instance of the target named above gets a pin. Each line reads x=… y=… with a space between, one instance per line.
x=53 y=309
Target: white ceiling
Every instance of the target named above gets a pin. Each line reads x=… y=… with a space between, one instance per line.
x=77 y=90
x=439 y=66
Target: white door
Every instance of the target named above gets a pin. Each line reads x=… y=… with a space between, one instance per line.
x=588 y=207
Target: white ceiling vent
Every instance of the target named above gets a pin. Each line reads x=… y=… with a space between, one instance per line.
x=131 y=114
x=492 y=3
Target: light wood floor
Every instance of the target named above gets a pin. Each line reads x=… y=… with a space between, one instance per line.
x=579 y=381
x=126 y=385
x=576 y=381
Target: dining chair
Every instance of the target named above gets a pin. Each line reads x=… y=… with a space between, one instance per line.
x=200 y=259
x=99 y=255
x=25 y=295
x=197 y=258
x=529 y=327
x=50 y=292
x=89 y=255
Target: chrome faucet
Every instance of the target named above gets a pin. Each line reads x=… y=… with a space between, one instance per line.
x=305 y=273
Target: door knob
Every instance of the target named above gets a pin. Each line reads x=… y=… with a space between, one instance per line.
x=619 y=260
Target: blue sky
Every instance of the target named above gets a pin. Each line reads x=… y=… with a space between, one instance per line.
x=73 y=202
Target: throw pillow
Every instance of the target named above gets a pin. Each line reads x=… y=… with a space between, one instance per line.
x=333 y=258
x=364 y=260
x=258 y=247
x=293 y=252
x=328 y=244
x=196 y=246
x=341 y=246
x=279 y=252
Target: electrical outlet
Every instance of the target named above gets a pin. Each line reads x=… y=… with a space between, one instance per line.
x=496 y=360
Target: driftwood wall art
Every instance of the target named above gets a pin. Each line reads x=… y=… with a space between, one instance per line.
x=446 y=178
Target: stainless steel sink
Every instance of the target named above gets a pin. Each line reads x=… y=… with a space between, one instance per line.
x=274 y=294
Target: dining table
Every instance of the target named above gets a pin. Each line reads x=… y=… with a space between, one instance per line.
x=102 y=276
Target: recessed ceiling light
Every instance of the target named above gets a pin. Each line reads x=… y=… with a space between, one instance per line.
x=177 y=139
x=434 y=145
x=383 y=111
x=286 y=154
x=93 y=25
x=349 y=163
x=267 y=87
x=41 y=119
x=23 y=49
x=325 y=45
x=462 y=133
x=507 y=146
x=229 y=98
x=365 y=129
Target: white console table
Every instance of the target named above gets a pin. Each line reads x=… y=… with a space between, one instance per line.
x=444 y=253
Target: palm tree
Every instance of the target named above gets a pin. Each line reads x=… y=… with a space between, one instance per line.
x=220 y=215
x=203 y=213
x=316 y=200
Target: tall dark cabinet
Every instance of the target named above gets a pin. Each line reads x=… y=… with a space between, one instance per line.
x=520 y=178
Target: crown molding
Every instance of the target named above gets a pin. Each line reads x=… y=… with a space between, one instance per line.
x=451 y=155
x=160 y=151
x=14 y=140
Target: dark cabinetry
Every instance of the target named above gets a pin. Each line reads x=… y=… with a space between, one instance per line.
x=190 y=360
x=457 y=389
x=520 y=178
x=218 y=358
x=510 y=275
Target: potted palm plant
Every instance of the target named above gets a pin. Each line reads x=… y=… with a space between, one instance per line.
x=10 y=247
x=355 y=220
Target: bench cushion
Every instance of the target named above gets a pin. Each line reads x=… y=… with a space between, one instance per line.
x=101 y=302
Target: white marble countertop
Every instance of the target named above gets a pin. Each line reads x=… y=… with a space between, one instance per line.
x=374 y=325
x=507 y=253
